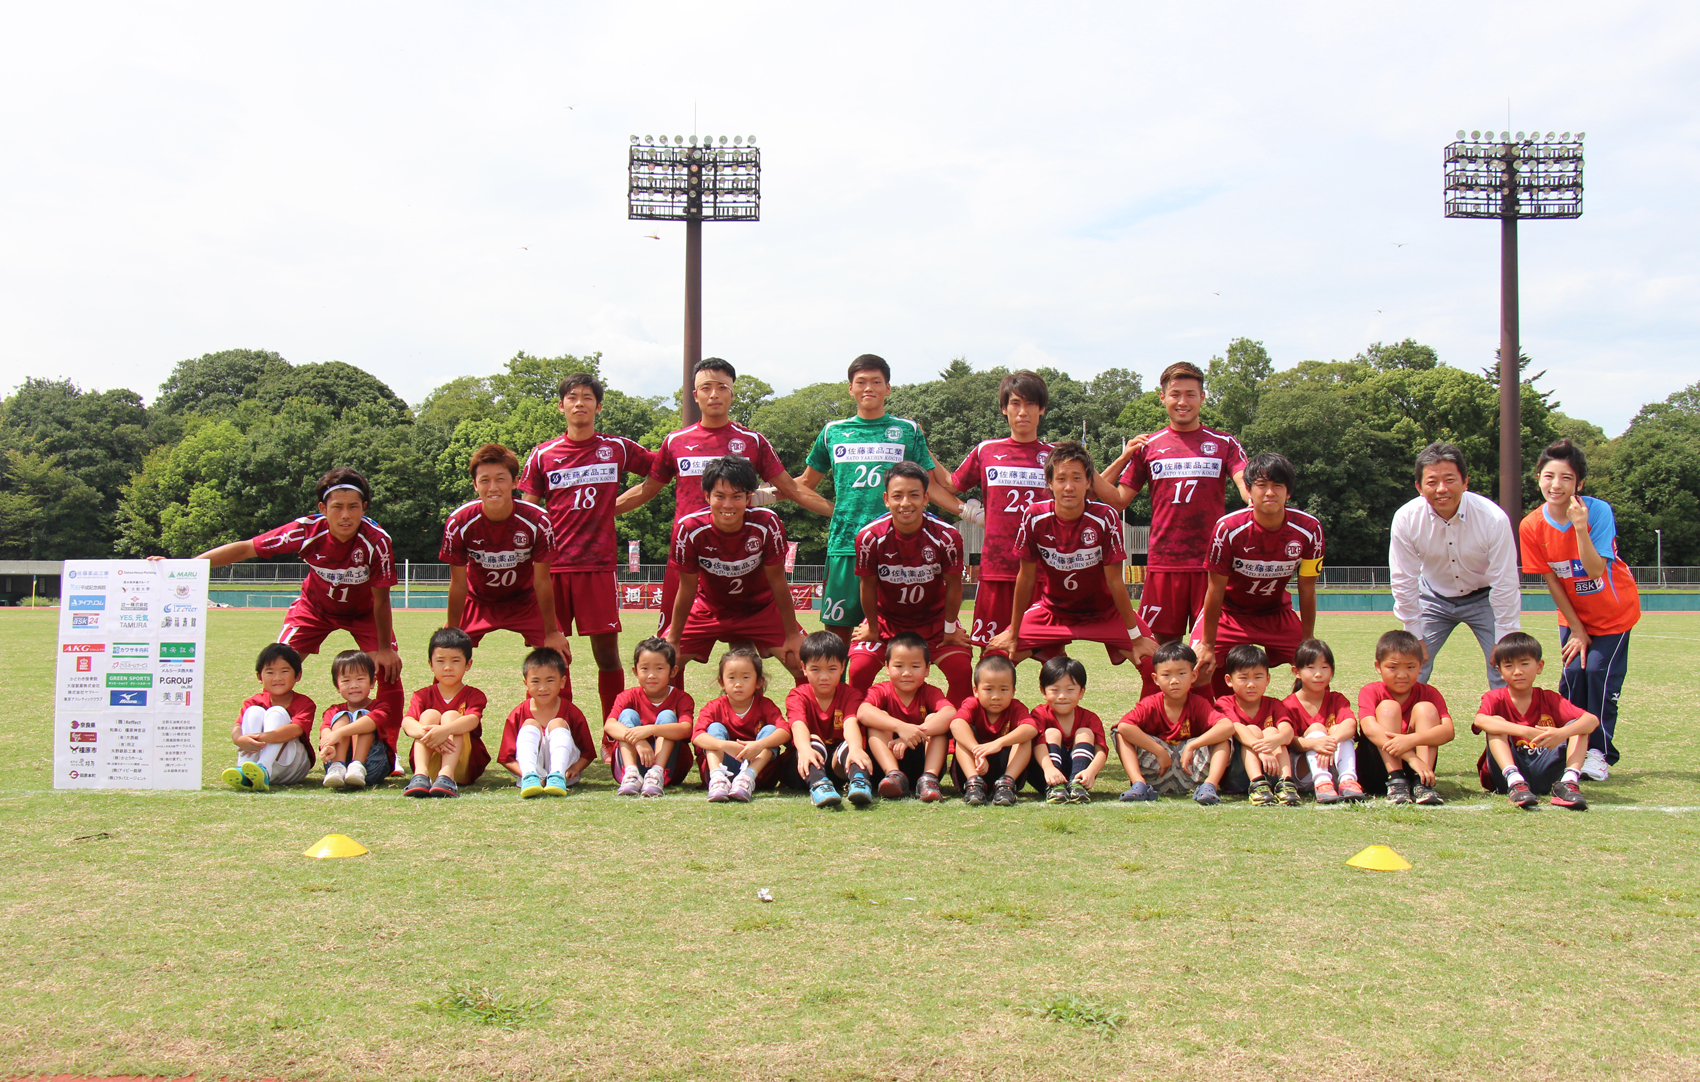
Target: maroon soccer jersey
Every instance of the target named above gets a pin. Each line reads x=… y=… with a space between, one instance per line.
x=1011 y=479
x=1189 y=473
x=498 y=554
x=827 y=726
x=1335 y=709
x=911 y=574
x=1547 y=710
x=1269 y=714
x=301 y=710
x=578 y=481
x=1198 y=714
x=883 y=695
x=508 y=751
x=684 y=453
x=984 y=727
x=731 y=582
x=761 y=714
x=1071 y=556
x=1045 y=718
x=341 y=574
x=467 y=700
x=386 y=722
x=1259 y=562
x=1375 y=693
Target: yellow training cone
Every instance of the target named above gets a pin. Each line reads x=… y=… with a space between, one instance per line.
x=1380 y=858
x=337 y=845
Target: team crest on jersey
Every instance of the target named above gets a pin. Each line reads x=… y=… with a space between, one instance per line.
x=894 y=433
x=359 y=557
x=928 y=554
x=1208 y=447
x=1293 y=549
x=521 y=537
x=1044 y=457
x=604 y=453
x=1089 y=536
x=735 y=446
x=753 y=544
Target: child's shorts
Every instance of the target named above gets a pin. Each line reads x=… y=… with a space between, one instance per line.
x=1541 y=768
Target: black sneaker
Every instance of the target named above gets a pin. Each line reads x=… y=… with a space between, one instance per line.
x=444 y=786
x=1261 y=793
x=1398 y=789
x=419 y=786
x=1567 y=794
x=1287 y=792
x=894 y=786
x=1003 y=793
x=975 y=791
x=1523 y=796
x=1427 y=797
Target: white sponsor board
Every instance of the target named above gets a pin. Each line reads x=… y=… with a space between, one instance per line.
x=130 y=674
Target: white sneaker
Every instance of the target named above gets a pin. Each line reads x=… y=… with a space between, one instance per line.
x=1594 y=766
x=355 y=776
x=335 y=776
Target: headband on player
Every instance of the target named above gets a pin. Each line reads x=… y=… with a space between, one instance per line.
x=338 y=488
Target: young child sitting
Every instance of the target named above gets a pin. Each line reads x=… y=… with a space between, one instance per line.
x=1536 y=738
x=1324 y=727
x=994 y=735
x=1262 y=725
x=1405 y=719
x=738 y=734
x=357 y=737
x=272 y=745
x=546 y=741
x=904 y=724
x=1070 y=748
x=1177 y=737
x=646 y=736
x=446 y=721
x=817 y=711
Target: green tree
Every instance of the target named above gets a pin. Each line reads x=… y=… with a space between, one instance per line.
x=46 y=513
x=460 y=399
x=1655 y=481
x=335 y=386
x=179 y=503
x=1232 y=383
x=215 y=383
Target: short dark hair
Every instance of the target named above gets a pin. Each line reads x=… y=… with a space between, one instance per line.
x=909 y=640
x=1397 y=641
x=344 y=477
x=653 y=645
x=1177 y=650
x=544 y=657
x=869 y=362
x=1272 y=467
x=352 y=659
x=1070 y=451
x=994 y=663
x=1029 y=385
x=1515 y=647
x=449 y=638
x=274 y=652
x=1565 y=451
x=1438 y=453
x=745 y=653
x=577 y=380
x=735 y=470
x=1244 y=656
x=823 y=646
x=1053 y=671
x=493 y=454
x=714 y=364
x=1180 y=370
x=911 y=470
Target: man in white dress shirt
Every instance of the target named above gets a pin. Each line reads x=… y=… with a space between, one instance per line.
x=1453 y=555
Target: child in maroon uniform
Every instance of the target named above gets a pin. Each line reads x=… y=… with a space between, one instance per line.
x=1324 y=728
x=1070 y=749
x=358 y=736
x=272 y=745
x=1536 y=739
x=994 y=735
x=498 y=554
x=646 y=737
x=904 y=725
x=1406 y=720
x=739 y=734
x=1262 y=726
x=546 y=740
x=446 y=721
x=817 y=710
x=910 y=567
x=1177 y=736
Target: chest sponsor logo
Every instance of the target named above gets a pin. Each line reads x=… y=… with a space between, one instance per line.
x=344 y=576
x=1015 y=477
x=692 y=465
x=902 y=575
x=499 y=561
x=595 y=473
x=868 y=452
x=1078 y=560
x=88 y=604
x=1165 y=469
x=1265 y=569
x=729 y=569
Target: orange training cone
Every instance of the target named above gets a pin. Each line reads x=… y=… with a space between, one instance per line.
x=334 y=845
x=1380 y=858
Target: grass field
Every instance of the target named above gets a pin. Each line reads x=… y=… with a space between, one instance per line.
x=176 y=933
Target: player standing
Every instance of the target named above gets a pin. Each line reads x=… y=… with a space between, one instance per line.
x=1254 y=552
x=498 y=554
x=577 y=477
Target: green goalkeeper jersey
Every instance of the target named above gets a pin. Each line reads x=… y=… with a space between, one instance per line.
x=857 y=453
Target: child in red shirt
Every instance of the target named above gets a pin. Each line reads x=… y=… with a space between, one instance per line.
x=818 y=710
x=646 y=737
x=272 y=745
x=1177 y=736
x=1324 y=728
x=546 y=740
x=1070 y=749
x=904 y=724
x=1406 y=720
x=446 y=721
x=358 y=736
x=1536 y=738
x=994 y=735
x=1262 y=725
x=738 y=734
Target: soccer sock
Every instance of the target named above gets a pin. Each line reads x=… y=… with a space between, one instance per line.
x=525 y=752
x=563 y=753
x=958 y=675
x=1573 y=776
x=609 y=684
x=1512 y=776
x=856 y=771
x=1080 y=760
x=1057 y=761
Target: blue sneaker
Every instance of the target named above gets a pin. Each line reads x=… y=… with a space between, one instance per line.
x=1138 y=791
x=555 y=785
x=860 y=792
x=823 y=794
x=530 y=786
x=1206 y=794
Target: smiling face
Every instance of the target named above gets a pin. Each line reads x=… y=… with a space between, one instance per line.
x=1181 y=401
x=1443 y=487
x=343 y=509
x=543 y=684
x=726 y=505
x=906 y=499
x=653 y=674
x=1063 y=695
x=869 y=390
x=278 y=677
x=1558 y=484
x=494 y=484
x=354 y=684
x=1316 y=676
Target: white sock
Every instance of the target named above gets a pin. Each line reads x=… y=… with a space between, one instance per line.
x=748 y=769
x=1573 y=776
x=1512 y=776
x=563 y=753
x=530 y=738
x=657 y=772
x=1317 y=773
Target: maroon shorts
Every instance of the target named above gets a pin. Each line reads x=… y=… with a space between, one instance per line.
x=1046 y=636
x=590 y=599
x=868 y=658
x=992 y=604
x=518 y=614
x=1278 y=632
x=305 y=628
x=1172 y=601
x=703 y=629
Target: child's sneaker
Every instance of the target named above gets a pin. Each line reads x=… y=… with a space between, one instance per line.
x=631 y=783
x=1523 y=796
x=419 y=785
x=530 y=787
x=1567 y=794
x=975 y=791
x=258 y=776
x=654 y=782
x=1262 y=794
x=927 y=789
x=1287 y=791
x=894 y=786
x=444 y=786
x=823 y=794
x=336 y=776
x=861 y=794
x=354 y=777
x=1003 y=792
x=719 y=787
x=1205 y=794
x=1350 y=790
x=234 y=778
x=1078 y=793
x=1325 y=791
x=744 y=786
x=1426 y=796
x=1398 y=789
x=555 y=785
x=1140 y=791
x=1058 y=794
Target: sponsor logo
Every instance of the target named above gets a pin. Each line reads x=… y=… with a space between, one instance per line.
x=1089 y=536
x=868 y=452
x=132 y=621
x=189 y=574
x=127 y=680
x=729 y=569
x=85 y=738
x=752 y=544
x=176 y=650
x=1078 y=560
x=88 y=587
x=1015 y=477
x=177 y=680
x=604 y=453
x=1294 y=548
x=124 y=664
x=181 y=607
x=181 y=591
x=133 y=605
x=1265 y=569
x=89 y=648
x=592 y=474
x=904 y=575
x=87 y=574
x=1167 y=468
x=85 y=664
x=499 y=561
x=344 y=576
x=692 y=466
x=88 y=604
x=85 y=622
x=127 y=698
x=129 y=649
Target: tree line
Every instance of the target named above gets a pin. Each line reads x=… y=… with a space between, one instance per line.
x=233 y=441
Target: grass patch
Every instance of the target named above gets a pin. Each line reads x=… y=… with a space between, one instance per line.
x=1081 y=1014
x=484 y=1007
x=761 y=922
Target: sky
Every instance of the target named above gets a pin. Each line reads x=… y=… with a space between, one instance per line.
x=424 y=189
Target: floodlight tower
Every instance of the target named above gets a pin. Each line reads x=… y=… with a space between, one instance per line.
x=694 y=181
x=1530 y=176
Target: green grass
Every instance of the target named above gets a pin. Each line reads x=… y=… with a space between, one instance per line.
x=592 y=937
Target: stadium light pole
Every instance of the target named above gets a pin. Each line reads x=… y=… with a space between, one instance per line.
x=693 y=180
x=1529 y=176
